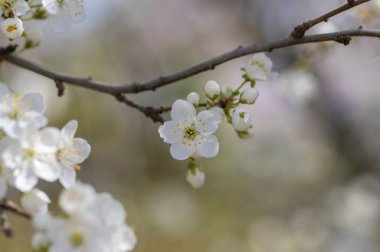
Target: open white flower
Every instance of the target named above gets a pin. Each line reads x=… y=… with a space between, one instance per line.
x=18 y=113
x=259 y=68
x=94 y=223
x=63 y=12
x=189 y=133
x=71 y=152
x=12 y=27
x=35 y=201
x=32 y=157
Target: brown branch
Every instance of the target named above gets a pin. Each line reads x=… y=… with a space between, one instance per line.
x=343 y=37
x=189 y=72
x=151 y=112
x=10 y=206
x=300 y=30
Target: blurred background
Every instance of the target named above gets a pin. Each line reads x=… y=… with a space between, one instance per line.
x=307 y=181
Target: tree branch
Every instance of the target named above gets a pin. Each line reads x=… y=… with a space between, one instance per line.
x=10 y=206
x=297 y=38
x=300 y=30
x=189 y=72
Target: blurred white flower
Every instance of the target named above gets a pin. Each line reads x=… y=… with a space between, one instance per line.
x=62 y=12
x=35 y=201
x=196 y=177
x=77 y=197
x=212 y=90
x=32 y=157
x=12 y=27
x=249 y=96
x=18 y=113
x=189 y=133
x=193 y=98
x=20 y=7
x=259 y=68
x=93 y=222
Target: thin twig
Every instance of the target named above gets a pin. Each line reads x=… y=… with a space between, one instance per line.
x=10 y=206
x=151 y=112
x=300 y=30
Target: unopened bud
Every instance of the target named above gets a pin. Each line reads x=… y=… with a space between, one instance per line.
x=241 y=120
x=212 y=90
x=249 y=96
x=193 y=98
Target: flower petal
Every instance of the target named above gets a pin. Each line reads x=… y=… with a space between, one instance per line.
x=209 y=147
x=34 y=102
x=181 y=151
x=70 y=128
x=207 y=122
x=68 y=177
x=170 y=132
x=182 y=109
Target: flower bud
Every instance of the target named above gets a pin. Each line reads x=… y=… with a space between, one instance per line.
x=259 y=67
x=195 y=177
x=193 y=98
x=35 y=201
x=249 y=96
x=212 y=90
x=241 y=120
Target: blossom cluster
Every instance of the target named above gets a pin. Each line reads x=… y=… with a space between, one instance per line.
x=92 y=222
x=29 y=150
x=60 y=13
x=191 y=134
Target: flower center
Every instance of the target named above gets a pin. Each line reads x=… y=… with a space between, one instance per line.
x=28 y=153
x=13 y=115
x=76 y=239
x=190 y=132
x=259 y=64
x=11 y=28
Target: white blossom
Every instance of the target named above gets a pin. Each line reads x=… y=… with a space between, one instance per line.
x=212 y=90
x=71 y=152
x=77 y=197
x=241 y=120
x=62 y=12
x=249 y=96
x=193 y=98
x=195 y=177
x=32 y=156
x=12 y=27
x=35 y=201
x=20 y=112
x=189 y=133
x=95 y=223
x=259 y=67
x=20 y=7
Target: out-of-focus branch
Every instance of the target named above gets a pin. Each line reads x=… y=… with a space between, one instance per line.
x=7 y=205
x=300 y=30
x=10 y=206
